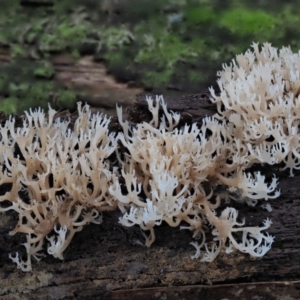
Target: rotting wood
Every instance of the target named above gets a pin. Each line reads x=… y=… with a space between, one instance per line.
x=193 y=108
x=265 y=290
x=104 y=259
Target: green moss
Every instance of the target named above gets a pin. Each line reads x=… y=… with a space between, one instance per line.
x=200 y=15
x=26 y=84
x=195 y=76
x=243 y=22
x=114 y=38
x=115 y=59
x=9 y=105
x=43 y=70
x=62 y=35
x=17 y=51
x=165 y=52
x=66 y=99
x=156 y=79
x=157 y=41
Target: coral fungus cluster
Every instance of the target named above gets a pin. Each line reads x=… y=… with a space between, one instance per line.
x=62 y=178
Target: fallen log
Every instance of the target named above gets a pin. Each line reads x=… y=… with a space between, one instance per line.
x=111 y=262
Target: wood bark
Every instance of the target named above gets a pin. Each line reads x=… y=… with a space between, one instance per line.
x=111 y=262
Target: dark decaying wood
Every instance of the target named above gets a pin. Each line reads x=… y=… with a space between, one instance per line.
x=265 y=290
x=111 y=262
x=192 y=107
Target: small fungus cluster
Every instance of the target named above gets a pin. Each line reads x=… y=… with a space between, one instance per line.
x=59 y=177
x=62 y=178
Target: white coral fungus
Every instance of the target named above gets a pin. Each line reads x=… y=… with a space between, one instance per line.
x=260 y=98
x=61 y=178
x=167 y=173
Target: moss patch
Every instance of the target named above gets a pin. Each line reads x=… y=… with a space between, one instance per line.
x=25 y=84
x=157 y=44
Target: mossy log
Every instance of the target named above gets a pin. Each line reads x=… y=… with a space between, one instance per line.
x=111 y=262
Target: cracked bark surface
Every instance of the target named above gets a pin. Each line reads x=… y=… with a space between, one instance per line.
x=111 y=262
